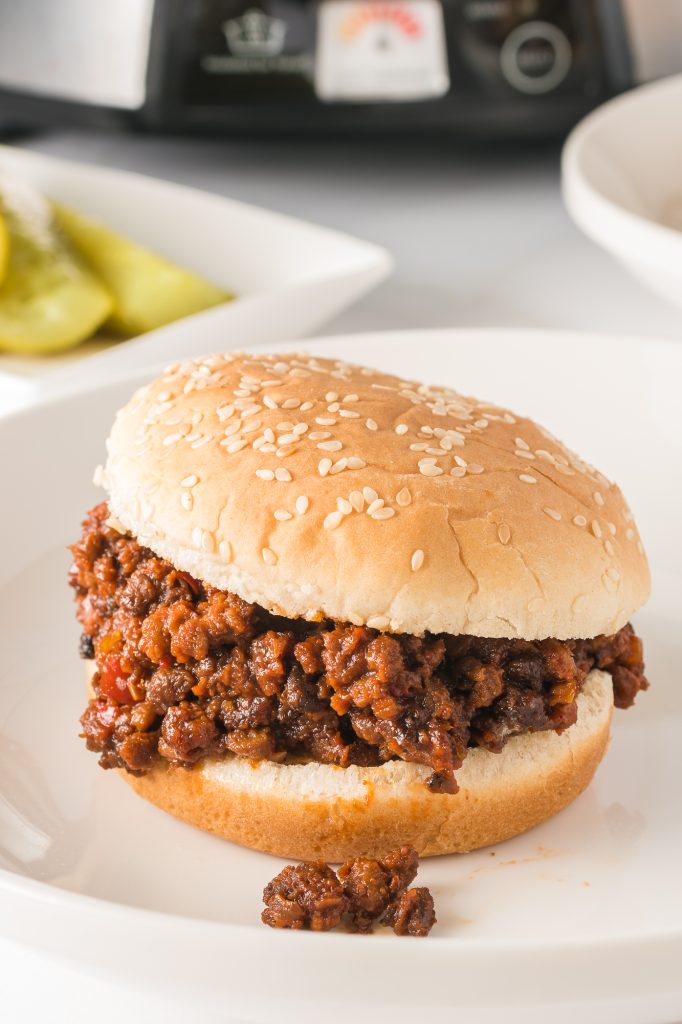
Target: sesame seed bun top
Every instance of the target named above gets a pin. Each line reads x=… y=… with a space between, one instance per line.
x=319 y=489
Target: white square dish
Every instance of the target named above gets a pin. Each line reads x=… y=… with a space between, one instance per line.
x=289 y=276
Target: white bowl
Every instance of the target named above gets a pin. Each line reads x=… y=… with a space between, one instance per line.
x=290 y=276
x=622 y=182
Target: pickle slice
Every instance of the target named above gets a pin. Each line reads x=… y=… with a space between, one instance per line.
x=49 y=300
x=148 y=290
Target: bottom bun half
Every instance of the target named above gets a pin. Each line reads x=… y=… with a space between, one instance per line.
x=315 y=811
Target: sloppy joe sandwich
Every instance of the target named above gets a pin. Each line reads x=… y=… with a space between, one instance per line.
x=328 y=611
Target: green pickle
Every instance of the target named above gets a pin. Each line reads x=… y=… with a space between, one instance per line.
x=49 y=299
x=148 y=290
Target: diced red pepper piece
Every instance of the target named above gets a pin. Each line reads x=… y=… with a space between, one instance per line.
x=112 y=681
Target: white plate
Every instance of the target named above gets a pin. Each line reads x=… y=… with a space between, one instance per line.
x=290 y=276
x=622 y=182
x=582 y=915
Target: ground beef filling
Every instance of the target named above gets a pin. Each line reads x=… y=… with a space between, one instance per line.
x=363 y=892
x=185 y=671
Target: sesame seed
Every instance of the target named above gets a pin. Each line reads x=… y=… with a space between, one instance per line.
x=383 y=513
x=269 y=402
x=608 y=547
x=580 y=520
x=302 y=504
x=249 y=410
x=356 y=463
x=249 y=427
x=612 y=528
x=291 y=403
x=458 y=471
x=297 y=372
x=374 y=506
x=225 y=550
x=186 y=500
x=332 y=520
x=284 y=427
x=430 y=469
x=234 y=428
x=378 y=622
x=526 y=478
x=163 y=396
x=418 y=446
x=542 y=454
x=325 y=421
x=224 y=412
x=306 y=406
x=171 y=439
x=552 y=513
x=268 y=556
x=344 y=506
x=520 y=443
x=596 y=528
x=613 y=573
x=369 y=494
x=371 y=424
x=266 y=449
x=265 y=474
x=338 y=467
x=357 y=500
x=351 y=398
x=349 y=414
x=282 y=515
x=523 y=454
x=189 y=481
x=598 y=498
x=286 y=439
x=319 y=435
x=235 y=446
x=608 y=583
x=417 y=560
x=283 y=475
x=474 y=468
x=284 y=451
x=334 y=407
x=461 y=462
x=330 y=446
x=435 y=451
x=300 y=428
x=323 y=466
x=331 y=396
x=629 y=533
x=201 y=441
x=401 y=428
x=403 y=497
x=504 y=533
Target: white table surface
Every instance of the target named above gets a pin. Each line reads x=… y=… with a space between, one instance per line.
x=480 y=238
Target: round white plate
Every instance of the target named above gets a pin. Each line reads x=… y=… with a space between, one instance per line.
x=622 y=182
x=581 y=915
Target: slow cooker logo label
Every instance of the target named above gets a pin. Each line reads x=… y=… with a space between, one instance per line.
x=255 y=34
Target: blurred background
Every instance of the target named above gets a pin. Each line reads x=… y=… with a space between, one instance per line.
x=432 y=127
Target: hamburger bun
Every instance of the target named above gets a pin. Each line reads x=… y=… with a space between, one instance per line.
x=319 y=811
x=320 y=490
x=492 y=528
